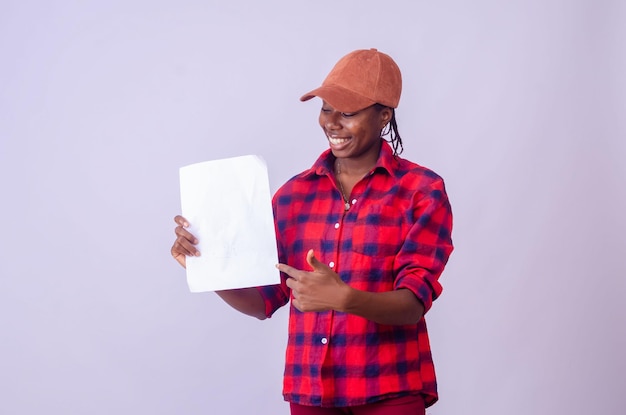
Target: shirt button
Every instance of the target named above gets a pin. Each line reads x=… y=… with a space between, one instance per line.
x=336 y=225
x=324 y=340
x=331 y=264
x=353 y=201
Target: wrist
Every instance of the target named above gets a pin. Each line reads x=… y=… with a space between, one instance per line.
x=351 y=299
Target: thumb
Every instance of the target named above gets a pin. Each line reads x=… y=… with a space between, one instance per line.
x=312 y=261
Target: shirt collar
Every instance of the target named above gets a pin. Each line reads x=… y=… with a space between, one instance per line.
x=323 y=166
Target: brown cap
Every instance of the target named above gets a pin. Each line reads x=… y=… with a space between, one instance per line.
x=360 y=79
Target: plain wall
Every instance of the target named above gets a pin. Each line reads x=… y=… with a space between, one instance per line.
x=519 y=105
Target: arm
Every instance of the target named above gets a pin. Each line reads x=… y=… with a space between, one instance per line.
x=322 y=289
x=421 y=260
x=391 y=307
x=246 y=300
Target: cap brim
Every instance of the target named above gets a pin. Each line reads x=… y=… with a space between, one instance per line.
x=339 y=98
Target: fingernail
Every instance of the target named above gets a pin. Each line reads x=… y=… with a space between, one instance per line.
x=197 y=253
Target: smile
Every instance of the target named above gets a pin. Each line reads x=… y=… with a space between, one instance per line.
x=337 y=141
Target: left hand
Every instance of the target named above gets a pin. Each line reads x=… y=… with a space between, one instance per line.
x=319 y=290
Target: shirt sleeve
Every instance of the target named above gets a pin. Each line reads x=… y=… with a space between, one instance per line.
x=276 y=296
x=427 y=246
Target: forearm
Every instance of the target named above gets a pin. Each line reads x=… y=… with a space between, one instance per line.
x=396 y=307
x=245 y=300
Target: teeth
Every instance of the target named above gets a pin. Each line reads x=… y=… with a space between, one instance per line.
x=337 y=141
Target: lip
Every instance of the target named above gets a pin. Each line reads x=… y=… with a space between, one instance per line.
x=338 y=143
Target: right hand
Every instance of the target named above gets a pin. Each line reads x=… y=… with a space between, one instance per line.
x=185 y=242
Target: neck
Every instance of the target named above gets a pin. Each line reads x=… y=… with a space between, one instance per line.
x=355 y=167
x=359 y=165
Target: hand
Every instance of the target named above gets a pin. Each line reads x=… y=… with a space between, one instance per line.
x=184 y=243
x=319 y=290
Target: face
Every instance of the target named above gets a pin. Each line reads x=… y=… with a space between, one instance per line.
x=354 y=135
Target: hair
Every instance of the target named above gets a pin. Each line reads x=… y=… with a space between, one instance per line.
x=391 y=130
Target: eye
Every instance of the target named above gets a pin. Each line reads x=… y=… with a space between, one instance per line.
x=348 y=114
x=325 y=110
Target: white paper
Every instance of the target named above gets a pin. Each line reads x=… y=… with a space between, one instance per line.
x=228 y=206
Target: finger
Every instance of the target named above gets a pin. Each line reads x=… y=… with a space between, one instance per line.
x=183 y=233
x=181 y=221
x=296 y=304
x=185 y=247
x=291 y=271
x=291 y=283
x=178 y=250
x=314 y=262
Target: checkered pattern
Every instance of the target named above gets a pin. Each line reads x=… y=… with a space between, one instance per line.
x=397 y=234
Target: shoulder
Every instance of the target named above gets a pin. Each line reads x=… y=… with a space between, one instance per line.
x=306 y=181
x=407 y=173
x=415 y=176
x=294 y=185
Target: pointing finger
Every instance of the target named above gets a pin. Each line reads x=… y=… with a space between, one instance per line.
x=291 y=271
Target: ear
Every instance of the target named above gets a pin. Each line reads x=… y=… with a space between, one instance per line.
x=385 y=116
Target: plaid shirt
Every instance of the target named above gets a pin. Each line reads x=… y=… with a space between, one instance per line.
x=397 y=234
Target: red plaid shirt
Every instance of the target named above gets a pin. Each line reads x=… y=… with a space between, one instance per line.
x=397 y=234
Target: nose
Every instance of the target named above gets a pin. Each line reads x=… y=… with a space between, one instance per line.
x=331 y=120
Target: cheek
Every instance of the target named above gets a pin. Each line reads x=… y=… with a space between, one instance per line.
x=323 y=120
x=354 y=128
x=364 y=131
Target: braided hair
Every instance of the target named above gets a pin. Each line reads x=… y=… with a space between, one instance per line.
x=391 y=130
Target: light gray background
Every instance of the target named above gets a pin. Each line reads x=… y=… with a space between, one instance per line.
x=518 y=104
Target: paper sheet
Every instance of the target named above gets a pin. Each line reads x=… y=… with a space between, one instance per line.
x=228 y=206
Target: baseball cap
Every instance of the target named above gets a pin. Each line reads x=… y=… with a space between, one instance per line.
x=360 y=79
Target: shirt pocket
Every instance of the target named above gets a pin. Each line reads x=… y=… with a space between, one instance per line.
x=378 y=231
